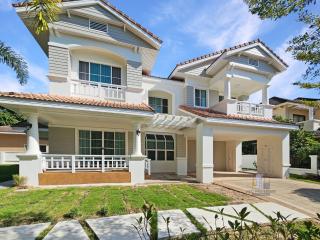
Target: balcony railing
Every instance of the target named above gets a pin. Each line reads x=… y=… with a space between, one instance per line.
x=78 y=163
x=74 y=163
x=97 y=90
x=250 y=109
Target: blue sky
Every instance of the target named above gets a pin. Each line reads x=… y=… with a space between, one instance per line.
x=189 y=28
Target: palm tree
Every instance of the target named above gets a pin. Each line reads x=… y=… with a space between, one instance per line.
x=9 y=57
x=46 y=11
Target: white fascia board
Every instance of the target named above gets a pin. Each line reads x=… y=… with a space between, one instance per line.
x=246 y=123
x=151 y=79
x=235 y=122
x=70 y=106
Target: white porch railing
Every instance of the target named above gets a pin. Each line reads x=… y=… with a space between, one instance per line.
x=147 y=166
x=73 y=163
x=97 y=90
x=250 y=109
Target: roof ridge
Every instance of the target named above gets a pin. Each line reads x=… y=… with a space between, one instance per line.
x=22 y=4
x=230 y=49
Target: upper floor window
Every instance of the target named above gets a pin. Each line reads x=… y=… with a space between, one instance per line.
x=98 y=26
x=160 y=105
x=253 y=62
x=99 y=73
x=298 y=118
x=200 y=98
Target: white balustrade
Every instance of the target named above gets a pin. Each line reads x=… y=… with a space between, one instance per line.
x=147 y=166
x=76 y=163
x=250 y=108
x=97 y=90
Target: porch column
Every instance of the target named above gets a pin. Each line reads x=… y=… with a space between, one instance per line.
x=227 y=89
x=265 y=97
x=204 y=145
x=30 y=164
x=233 y=155
x=137 y=160
x=137 y=140
x=285 y=150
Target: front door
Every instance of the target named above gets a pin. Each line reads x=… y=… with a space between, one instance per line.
x=264 y=160
x=192 y=156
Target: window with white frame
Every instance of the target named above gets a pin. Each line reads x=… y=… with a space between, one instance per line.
x=99 y=73
x=159 y=147
x=253 y=62
x=98 y=26
x=200 y=98
x=102 y=143
x=160 y=105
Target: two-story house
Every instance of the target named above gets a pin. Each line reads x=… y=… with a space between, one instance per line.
x=297 y=112
x=109 y=120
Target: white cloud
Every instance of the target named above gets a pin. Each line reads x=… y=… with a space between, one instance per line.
x=9 y=83
x=38 y=73
x=213 y=24
x=5 y=5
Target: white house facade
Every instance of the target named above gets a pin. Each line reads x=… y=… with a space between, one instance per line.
x=109 y=120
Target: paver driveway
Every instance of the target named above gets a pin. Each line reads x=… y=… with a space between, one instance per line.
x=301 y=195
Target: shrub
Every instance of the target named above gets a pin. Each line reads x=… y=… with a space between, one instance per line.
x=103 y=212
x=73 y=213
x=19 y=181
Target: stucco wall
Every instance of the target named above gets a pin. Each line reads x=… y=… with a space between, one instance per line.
x=62 y=140
x=219 y=159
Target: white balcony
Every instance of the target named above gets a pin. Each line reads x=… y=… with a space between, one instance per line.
x=84 y=88
x=250 y=109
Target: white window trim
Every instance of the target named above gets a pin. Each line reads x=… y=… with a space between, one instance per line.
x=97 y=62
x=77 y=137
x=161 y=103
x=250 y=58
x=194 y=97
x=165 y=149
x=92 y=29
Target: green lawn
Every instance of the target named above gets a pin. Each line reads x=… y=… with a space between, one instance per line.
x=6 y=172
x=311 y=179
x=21 y=207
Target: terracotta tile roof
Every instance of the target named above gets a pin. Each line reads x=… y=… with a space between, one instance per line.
x=230 y=49
x=21 y=4
x=209 y=113
x=77 y=100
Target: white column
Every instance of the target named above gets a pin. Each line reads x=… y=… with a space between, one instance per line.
x=285 y=150
x=33 y=135
x=314 y=163
x=204 y=168
x=265 y=97
x=137 y=140
x=30 y=164
x=227 y=89
x=233 y=156
x=311 y=113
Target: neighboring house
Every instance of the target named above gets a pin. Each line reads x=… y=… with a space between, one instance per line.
x=13 y=141
x=297 y=112
x=106 y=115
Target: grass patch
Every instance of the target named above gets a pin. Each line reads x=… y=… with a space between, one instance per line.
x=42 y=205
x=305 y=178
x=6 y=172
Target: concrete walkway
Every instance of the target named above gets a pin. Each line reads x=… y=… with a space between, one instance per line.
x=122 y=227
x=287 y=192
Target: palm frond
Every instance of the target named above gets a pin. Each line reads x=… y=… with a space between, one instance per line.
x=9 y=57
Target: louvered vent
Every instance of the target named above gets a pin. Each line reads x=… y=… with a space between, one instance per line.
x=98 y=26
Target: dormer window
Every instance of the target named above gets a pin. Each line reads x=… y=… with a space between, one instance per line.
x=200 y=98
x=253 y=62
x=99 y=73
x=98 y=26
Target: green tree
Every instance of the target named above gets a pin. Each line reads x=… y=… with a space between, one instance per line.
x=304 y=47
x=8 y=117
x=302 y=144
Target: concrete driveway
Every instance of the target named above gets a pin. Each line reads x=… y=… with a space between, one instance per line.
x=299 y=195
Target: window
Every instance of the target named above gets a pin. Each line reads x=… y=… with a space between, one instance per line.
x=200 y=98
x=44 y=148
x=253 y=62
x=98 y=26
x=99 y=73
x=159 y=147
x=221 y=98
x=160 y=105
x=249 y=148
x=298 y=118
x=99 y=143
